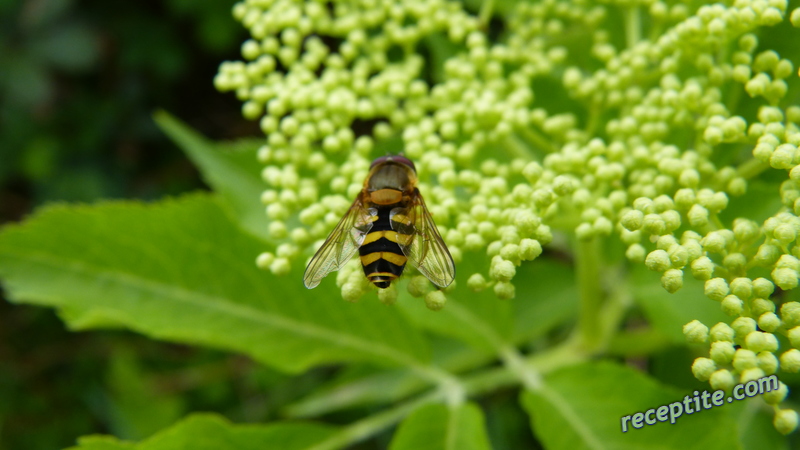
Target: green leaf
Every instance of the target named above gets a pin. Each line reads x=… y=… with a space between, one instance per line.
x=670 y=312
x=232 y=171
x=581 y=407
x=212 y=432
x=438 y=426
x=181 y=271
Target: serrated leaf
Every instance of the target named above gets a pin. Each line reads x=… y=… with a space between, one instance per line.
x=212 y=432
x=581 y=407
x=181 y=271
x=232 y=172
x=667 y=312
x=439 y=427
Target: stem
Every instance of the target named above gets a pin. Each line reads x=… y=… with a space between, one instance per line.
x=486 y=381
x=751 y=169
x=633 y=26
x=588 y=272
x=536 y=140
x=485 y=14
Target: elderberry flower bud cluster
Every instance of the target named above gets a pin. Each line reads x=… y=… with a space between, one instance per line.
x=559 y=126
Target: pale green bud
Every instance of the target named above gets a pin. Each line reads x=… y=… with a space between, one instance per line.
x=769 y=321
x=767 y=255
x=790 y=360
x=698 y=216
x=502 y=269
x=632 y=220
x=702 y=268
x=672 y=280
x=732 y=305
x=744 y=359
x=790 y=314
x=636 y=253
x=736 y=263
x=504 y=290
x=435 y=300
x=761 y=342
x=654 y=224
x=785 y=421
x=721 y=332
x=794 y=337
x=722 y=352
x=743 y=326
x=265 y=260
x=721 y=379
x=751 y=374
x=785 y=278
x=388 y=296
x=530 y=249
x=476 y=282
x=352 y=292
x=703 y=368
x=768 y=362
x=763 y=288
x=678 y=255
x=742 y=287
x=716 y=289
x=695 y=332
x=714 y=242
x=776 y=396
x=419 y=286
x=658 y=261
x=685 y=198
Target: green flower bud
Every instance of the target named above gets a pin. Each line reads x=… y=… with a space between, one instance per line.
x=795 y=18
x=790 y=314
x=703 y=368
x=502 y=269
x=672 y=280
x=785 y=421
x=763 y=288
x=695 y=332
x=685 y=198
x=476 y=282
x=721 y=332
x=265 y=260
x=744 y=359
x=769 y=322
x=654 y=224
x=742 y=288
x=584 y=232
x=751 y=374
x=504 y=290
x=698 y=216
x=767 y=362
x=743 y=326
x=722 y=352
x=702 y=268
x=761 y=342
x=435 y=300
x=785 y=278
x=530 y=249
x=419 y=286
x=794 y=337
x=790 y=360
x=658 y=261
x=714 y=242
x=767 y=255
x=636 y=253
x=732 y=305
x=721 y=379
x=716 y=289
x=672 y=219
x=776 y=396
x=388 y=296
x=678 y=256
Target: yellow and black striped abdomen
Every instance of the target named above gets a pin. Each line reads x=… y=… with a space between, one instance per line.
x=381 y=257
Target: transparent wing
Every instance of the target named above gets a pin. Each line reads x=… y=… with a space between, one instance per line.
x=421 y=243
x=341 y=244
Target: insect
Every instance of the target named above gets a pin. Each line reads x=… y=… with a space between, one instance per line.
x=389 y=225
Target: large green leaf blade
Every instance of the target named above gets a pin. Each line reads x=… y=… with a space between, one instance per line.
x=233 y=172
x=212 y=432
x=581 y=407
x=181 y=271
x=439 y=427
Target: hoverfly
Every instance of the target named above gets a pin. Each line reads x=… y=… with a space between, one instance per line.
x=389 y=225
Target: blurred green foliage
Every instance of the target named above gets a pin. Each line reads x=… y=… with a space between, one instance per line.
x=78 y=85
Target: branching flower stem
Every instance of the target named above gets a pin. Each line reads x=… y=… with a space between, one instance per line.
x=485 y=381
x=587 y=257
